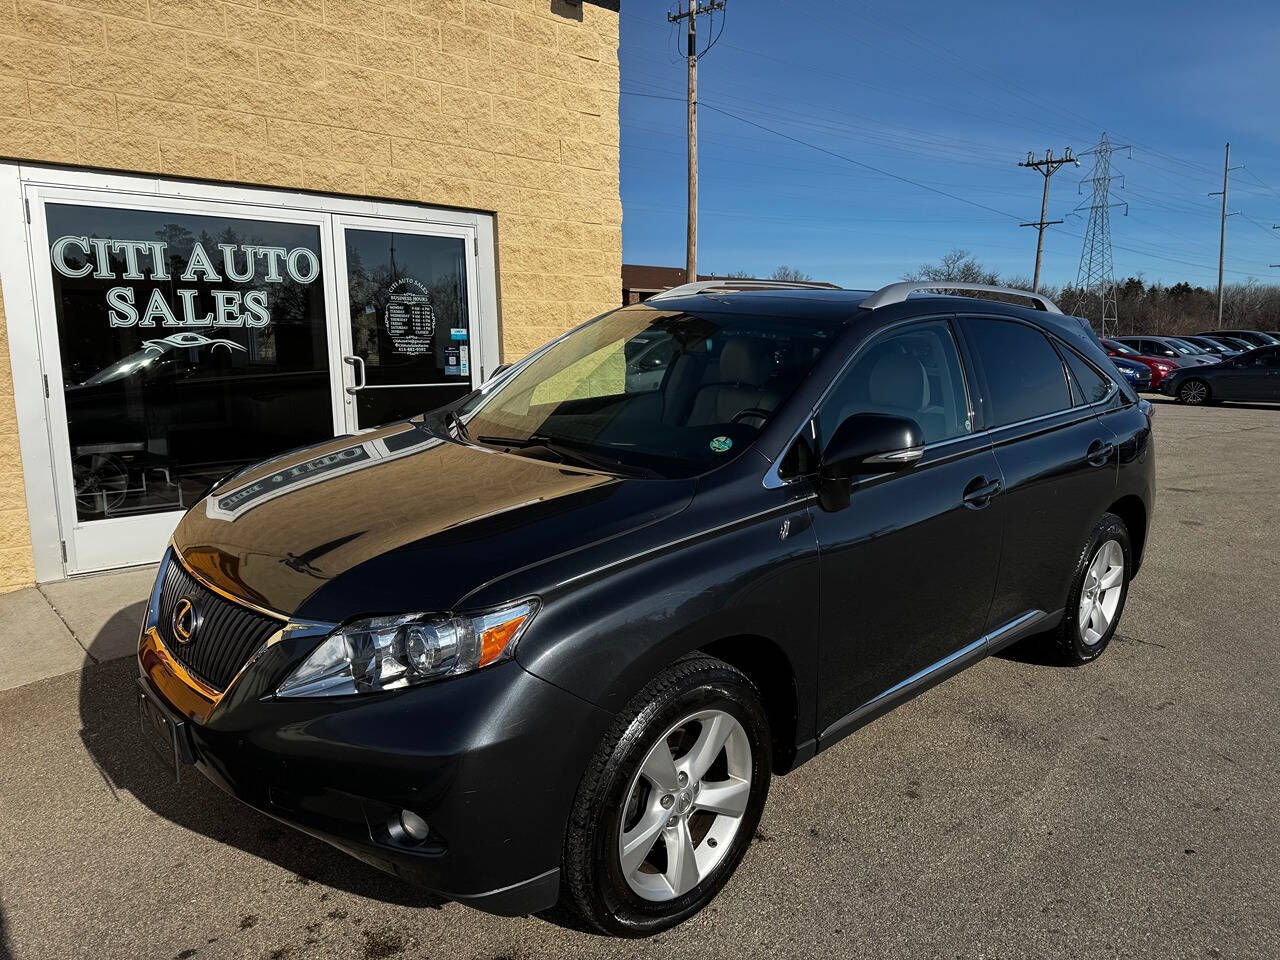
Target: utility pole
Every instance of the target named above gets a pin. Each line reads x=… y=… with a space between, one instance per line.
x=1222 y=230
x=690 y=17
x=1048 y=166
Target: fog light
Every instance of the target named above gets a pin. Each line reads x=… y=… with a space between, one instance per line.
x=414 y=825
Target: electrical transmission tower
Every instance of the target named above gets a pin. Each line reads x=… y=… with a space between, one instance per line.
x=1096 y=277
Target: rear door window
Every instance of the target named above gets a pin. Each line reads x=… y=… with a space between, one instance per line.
x=1024 y=374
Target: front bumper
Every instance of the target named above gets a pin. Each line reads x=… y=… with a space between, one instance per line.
x=491 y=761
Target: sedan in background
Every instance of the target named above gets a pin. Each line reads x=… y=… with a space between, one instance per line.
x=1254 y=337
x=1137 y=375
x=1210 y=345
x=1252 y=376
x=1170 y=348
x=1160 y=367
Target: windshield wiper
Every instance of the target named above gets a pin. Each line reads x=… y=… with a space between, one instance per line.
x=567 y=453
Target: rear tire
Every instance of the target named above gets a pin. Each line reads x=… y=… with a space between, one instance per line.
x=1194 y=393
x=1098 y=592
x=671 y=730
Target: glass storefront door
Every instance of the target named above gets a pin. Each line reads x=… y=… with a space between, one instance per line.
x=410 y=341
x=182 y=339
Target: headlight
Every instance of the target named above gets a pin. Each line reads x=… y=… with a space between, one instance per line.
x=389 y=653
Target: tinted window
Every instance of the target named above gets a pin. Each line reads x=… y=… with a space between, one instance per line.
x=1024 y=373
x=1090 y=386
x=915 y=373
x=1268 y=358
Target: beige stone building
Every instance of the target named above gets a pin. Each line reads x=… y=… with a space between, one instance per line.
x=232 y=227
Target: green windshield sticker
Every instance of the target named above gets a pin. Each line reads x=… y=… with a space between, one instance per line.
x=721 y=444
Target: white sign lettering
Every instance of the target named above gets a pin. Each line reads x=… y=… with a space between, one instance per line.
x=78 y=256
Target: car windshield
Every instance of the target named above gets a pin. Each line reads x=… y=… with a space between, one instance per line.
x=1182 y=346
x=1121 y=348
x=648 y=392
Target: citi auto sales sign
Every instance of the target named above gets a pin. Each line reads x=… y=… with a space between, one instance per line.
x=149 y=260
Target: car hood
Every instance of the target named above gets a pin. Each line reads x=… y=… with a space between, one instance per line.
x=401 y=520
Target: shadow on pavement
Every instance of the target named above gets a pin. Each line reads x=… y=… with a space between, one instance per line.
x=4 y=939
x=1037 y=650
x=109 y=729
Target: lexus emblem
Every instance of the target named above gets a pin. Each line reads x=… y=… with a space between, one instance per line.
x=184 y=620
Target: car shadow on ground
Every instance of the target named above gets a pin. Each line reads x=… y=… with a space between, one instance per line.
x=4 y=939
x=1038 y=650
x=110 y=732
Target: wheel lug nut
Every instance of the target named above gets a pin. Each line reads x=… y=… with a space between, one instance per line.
x=671 y=821
x=667 y=801
x=683 y=778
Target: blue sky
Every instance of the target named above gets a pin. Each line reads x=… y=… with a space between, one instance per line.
x=953 y=96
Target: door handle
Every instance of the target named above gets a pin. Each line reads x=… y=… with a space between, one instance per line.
x=979 y=491
x=1100 y=452
x=357 y=374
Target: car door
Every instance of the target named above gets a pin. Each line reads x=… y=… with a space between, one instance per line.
x=1057 y=459
x=907 y=569
x=1252 y=376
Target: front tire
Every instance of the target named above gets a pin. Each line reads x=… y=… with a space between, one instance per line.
x=669 y=803
x=1098 y=592
x=1194 y=393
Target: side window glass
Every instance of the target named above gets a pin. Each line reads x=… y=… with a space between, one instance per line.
x=1267 y=359
x=1025 y=377
x=1091 y=385
x=915 y=373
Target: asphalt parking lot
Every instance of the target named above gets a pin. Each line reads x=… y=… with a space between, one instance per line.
x=1022 y=809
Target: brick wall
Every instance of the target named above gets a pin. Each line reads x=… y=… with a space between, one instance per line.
x=15 y=536
x=509 y=106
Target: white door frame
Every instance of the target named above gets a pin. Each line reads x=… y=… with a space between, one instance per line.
x=26 y=281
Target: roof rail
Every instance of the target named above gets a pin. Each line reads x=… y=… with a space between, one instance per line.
x=898 y=292
x=731 y=285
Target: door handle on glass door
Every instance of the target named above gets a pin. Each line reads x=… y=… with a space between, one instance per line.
x=1100 y=452
x=979 y=491
x=357 y=373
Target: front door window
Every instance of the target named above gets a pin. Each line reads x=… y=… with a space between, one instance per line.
x=189 y=345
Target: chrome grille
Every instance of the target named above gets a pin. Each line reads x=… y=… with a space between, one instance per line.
x=226 y=636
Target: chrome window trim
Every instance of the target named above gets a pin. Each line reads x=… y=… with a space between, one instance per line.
x=773 y=480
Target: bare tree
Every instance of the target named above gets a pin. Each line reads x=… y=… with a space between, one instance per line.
x=791 y=274
x=958 y=265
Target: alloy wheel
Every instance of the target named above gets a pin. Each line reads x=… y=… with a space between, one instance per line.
x=1100 y=595
x=685 y=805
x=1193 y=392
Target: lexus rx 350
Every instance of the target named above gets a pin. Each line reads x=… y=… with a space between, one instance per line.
x=547 y=645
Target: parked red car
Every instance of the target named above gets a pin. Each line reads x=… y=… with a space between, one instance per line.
x=1161 y=367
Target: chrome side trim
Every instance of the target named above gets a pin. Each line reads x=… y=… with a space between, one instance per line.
x=933 y=668
x=920 y=680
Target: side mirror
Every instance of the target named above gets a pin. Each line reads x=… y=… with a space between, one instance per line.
x=869 y=443
x=866 y=444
